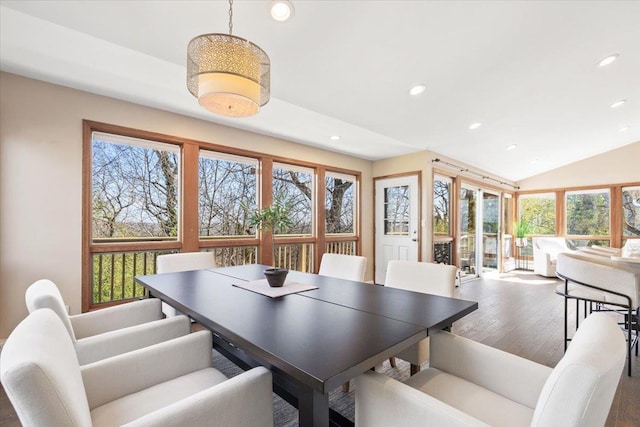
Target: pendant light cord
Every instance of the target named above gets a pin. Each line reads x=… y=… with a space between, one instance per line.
x=230 y=17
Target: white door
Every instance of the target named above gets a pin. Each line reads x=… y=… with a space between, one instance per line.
x=396 y=222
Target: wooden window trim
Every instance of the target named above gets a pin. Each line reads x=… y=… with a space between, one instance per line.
x=188 y=239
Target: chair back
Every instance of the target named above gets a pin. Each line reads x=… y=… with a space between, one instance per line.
x=580 y=390
x=171 y=263
x=348 y=267
x=425 y=277
x=45 y=294
x=604 y=273
x=40 y=372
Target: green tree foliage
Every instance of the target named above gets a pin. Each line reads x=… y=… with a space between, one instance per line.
x=588 y=213
x=539 y=212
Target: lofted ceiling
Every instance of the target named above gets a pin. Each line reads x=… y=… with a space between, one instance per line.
x=528 y=71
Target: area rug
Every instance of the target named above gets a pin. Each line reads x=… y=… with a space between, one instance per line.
x=286 y=415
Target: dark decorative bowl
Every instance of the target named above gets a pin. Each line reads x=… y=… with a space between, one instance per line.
x=276 y=276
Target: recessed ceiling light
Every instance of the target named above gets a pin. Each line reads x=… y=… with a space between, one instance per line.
x=512 y=146
x=608 y=60
x=623 y=129
x=417 y=90
x=534 y=161
x=335 y=137
x=281 y=10
x=618 y=103
x=475 y=125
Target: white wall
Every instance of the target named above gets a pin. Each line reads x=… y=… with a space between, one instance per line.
x=423 y=162
x=41 y=180
x=614 y=167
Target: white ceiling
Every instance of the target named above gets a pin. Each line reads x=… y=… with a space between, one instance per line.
x=526 y=70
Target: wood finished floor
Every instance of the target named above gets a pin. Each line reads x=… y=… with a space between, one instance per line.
x=518 y=313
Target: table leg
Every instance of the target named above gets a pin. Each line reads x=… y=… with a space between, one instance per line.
x=313 y=408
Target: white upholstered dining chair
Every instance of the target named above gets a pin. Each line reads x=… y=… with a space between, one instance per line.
x=427 y=278
x=109 y=331
x=186 y=261
x=471 y=384
x=171 y=383
x=348 y=267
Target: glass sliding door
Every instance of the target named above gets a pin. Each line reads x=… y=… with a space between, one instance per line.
x=467 y=230
x=480 y=247
x=490 y=231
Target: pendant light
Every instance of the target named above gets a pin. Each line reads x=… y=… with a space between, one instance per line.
x=229 y=75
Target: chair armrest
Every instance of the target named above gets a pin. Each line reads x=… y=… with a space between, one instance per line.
x=116 y=317
x=514 y=377
x=382 y=401
x=243 y=401
x=115 y=377
x=109 y=344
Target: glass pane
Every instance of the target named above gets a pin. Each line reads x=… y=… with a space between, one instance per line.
x=631 y=211
x=293 y=189
x=135 y=189
x=396 y=210
x=441 y=205
x=587 y=213
x=490 y=227
x=467 y=243
x=227 y=194
x=539 y=212
x=577 y=243
x=340 y=204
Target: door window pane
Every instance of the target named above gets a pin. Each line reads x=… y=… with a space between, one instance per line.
x=227 y=194
x=587 y=213
x=631 y=211
x=396 y=210
x=340 y=203
x=134 y=189
x=293 y=190
x=539 y=212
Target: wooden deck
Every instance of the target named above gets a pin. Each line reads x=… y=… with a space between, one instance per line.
x=518 y=313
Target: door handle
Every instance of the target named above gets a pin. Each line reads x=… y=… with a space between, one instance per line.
x=415 y=236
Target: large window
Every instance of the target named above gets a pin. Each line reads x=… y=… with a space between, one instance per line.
x=135 y=186
x=631 y=212
x=340 y=203
x=147 y=194
x=588 y=216
x=442 y=205
x=539 y=212
x=227 y=194
x=293 y=190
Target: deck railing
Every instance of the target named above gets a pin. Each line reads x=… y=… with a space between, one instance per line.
x=294 y=256
x=114 y=272
x=343 y=247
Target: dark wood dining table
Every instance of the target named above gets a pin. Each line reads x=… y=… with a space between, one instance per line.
x=312 y=341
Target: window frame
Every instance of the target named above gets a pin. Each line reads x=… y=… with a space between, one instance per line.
x=188 y=228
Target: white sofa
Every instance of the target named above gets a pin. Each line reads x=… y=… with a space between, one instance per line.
x=167 y=384
x=545 y=254
x=471 y=384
